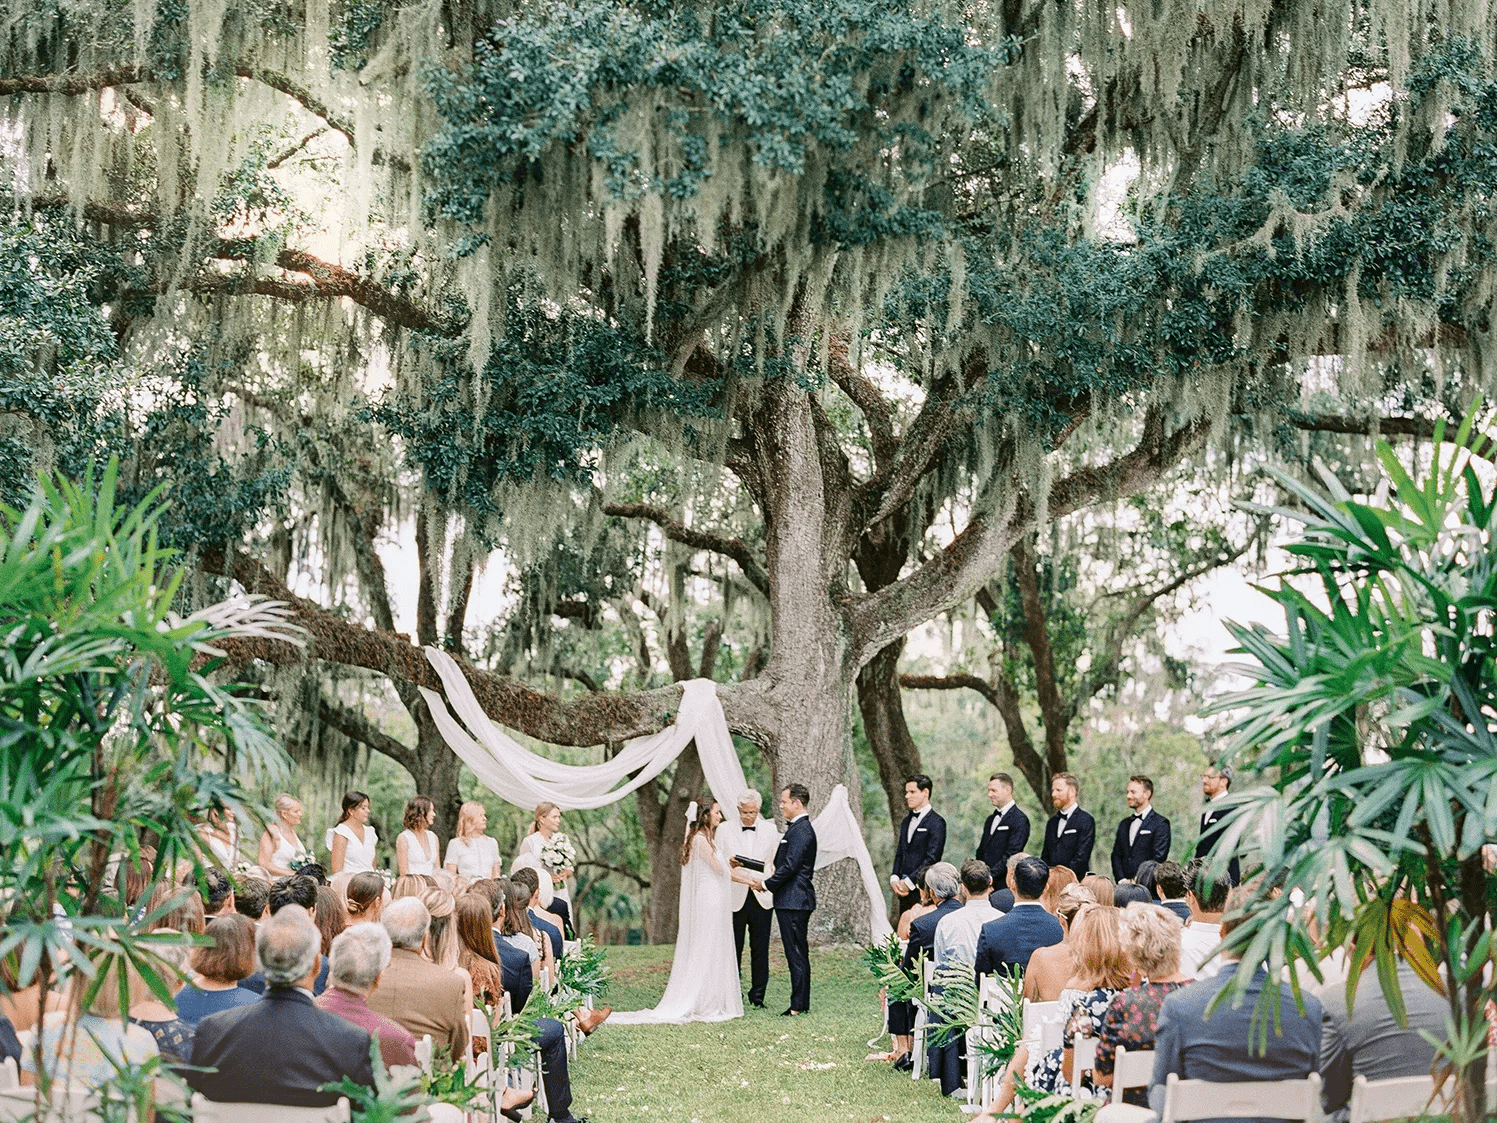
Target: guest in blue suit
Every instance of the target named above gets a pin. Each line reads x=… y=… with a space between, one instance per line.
x=941 y=882
x=794 y=895
x=1221 y=1047
x=1006 y=944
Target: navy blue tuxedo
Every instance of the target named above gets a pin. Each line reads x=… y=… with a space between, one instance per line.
x=1069 y=842
x=279 y=1050
x=1152 y=844
x=1005 y=945
x=794 y=901
x=912 y=855
x=1001 y=839
x=1219 y=1047
x=1212 y=828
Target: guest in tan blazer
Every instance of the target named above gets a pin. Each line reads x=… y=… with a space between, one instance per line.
x=413 y=991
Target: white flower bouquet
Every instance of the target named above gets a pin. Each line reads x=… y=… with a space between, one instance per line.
x=302 y=858
x=558 y=854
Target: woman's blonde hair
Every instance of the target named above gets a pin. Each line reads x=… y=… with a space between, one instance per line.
x=467 y=817
x=1098 y=948
x=1100 y=886
x=541 y=811
x=1151 y=936
x=442 y=936
x=407 y=885
x=1072 y=898
x=285 y=802
x=106 y=1000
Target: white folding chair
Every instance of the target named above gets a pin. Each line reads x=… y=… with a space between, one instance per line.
x=1275 y=1099
x=482 y=1064
x=423 y=1053
x=66 y=1105
x=1131 y=1070
x=922 y=1019
x=10 y=1077
x=1400 y=1097
x=1083 y=1057
x=205 y=1110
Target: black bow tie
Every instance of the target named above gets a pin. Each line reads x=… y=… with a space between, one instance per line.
x=751 y=828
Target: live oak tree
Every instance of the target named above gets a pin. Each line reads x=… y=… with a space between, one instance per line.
x=847 y=255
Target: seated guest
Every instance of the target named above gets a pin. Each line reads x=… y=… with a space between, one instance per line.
x=942 y=883
x=365 y=897
x=1151 y=939
x=914 y=912
x=331 y=919
x=1006 y=944
x=442 y=945
x=421 y=996
x=295 y=890
x=360 y=955
x=1368 y=1041
x=218 y=892
x=1101 y=972
x=1051 y=967
x=1060 y=877
x=1101 y=888
x=1170 y=885
x=1146 y=875
x=1203 y=932
x=477 y=954
x=1221 y=1047
x=103 y=1038
x=408 y=885
x=218 y=969
x=177 y=907
x=282 y=1049
x=173 y=1035
x=252 y=898
x=956 y=943
x=1129 y=894
x=515 y=928
x=545 y=923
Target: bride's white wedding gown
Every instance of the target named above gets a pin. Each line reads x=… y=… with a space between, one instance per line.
x=704 y=984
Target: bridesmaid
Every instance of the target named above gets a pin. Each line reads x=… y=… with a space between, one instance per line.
x=547 y=823
x=353 y=840
x=471 y=854
x=280 y=844
x=417 y=849
x=221 y=834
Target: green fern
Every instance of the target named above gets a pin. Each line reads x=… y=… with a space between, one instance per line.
x=884 y=962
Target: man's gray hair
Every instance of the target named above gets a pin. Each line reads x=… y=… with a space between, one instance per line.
x=1015 y=859
x=942 y=879
x=407 y=921
x=287 y=945
x=358 y=956
x=747 y=796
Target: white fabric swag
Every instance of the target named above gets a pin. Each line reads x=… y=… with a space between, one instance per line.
x=524 y=778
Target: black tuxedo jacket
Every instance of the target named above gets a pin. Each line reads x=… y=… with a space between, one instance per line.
x=279 y=1050
x=1152 y=844
x=1213 y=818
x=1073 y=847
x=929 y=843
x=997 y=846
x=794 y=863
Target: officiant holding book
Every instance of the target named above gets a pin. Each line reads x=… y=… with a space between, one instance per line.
x=751 y=839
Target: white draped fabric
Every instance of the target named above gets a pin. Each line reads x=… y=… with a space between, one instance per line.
x=524 y=778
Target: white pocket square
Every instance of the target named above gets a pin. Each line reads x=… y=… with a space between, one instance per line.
x=1071 y=831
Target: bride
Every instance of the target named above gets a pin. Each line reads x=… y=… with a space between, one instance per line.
x=704 y=984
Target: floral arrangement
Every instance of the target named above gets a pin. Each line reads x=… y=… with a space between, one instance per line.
x=585 y=970
x=559 y=854
x=302 y=858
x=242 y=869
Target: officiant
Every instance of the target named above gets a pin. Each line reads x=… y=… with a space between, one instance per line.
x=754 y=838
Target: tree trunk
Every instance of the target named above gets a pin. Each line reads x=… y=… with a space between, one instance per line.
x=437 y=773
x=881 y=702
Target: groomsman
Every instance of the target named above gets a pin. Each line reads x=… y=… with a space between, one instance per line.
x=1006 y=831
x=751 y=836
x=1143 y=836
x=922 y=841
x=1215 y=784
x=1071 y=832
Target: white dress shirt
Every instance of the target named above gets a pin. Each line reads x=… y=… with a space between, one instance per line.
x=1196 y=941
x=1138 y=819
x=957 y=931
x=1002 y=811
x=909 y=834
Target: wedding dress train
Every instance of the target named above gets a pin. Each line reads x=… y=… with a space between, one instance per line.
x=704 y=984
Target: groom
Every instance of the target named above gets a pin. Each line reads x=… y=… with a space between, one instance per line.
x=794 y=896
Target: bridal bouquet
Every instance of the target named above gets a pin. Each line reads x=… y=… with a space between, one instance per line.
x=302 y=858
x=559 y=854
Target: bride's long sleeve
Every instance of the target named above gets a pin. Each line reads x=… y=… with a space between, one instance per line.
x=709 y=852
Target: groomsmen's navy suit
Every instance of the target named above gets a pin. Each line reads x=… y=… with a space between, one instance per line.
x=1005 y=944
x=1151 y=844
x=1002 y=837
x=921 y=944
x=1212 y=828
x=917 y=849
x=1068 y=842
x=794 y=901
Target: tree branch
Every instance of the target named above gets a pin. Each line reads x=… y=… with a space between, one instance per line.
x=677 y=531
x=356 y=727
x=1005 y=699
x=1423 y=428
x=70 y=83
x=632 y=875
x=877 y=412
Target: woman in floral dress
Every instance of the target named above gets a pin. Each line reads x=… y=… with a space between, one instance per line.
x=1151 y=937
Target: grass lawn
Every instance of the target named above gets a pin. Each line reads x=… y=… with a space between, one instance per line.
x=761 y=1068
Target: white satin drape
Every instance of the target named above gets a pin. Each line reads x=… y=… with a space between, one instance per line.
x=524 y=778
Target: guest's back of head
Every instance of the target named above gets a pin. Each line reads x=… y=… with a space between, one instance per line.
x=1151 y=937
x=440 y=906
x=230 y=954
x=252 y=897
x=407 y=885
x=1098 y=948
x=1101 y=888
x=1128 y=893
x=943 y=879
x=183 y=907
x=364 y=897
x=475 y=927
x=407 y=921
x=1031 y=875
x=1072 y=899
x=287 y=945
x=294 y=890
x=976 y=877
x=1210 y=893
x=359 y=954
x=1146 y=874
x=331 y=916
x=1057 y=879
x=217 y=889
x=516 y=909
x=1169 y=882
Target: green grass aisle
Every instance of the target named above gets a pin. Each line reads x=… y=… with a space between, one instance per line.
x=761 y=1068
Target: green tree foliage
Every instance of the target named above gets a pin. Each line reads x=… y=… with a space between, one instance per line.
x=1372 y=726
